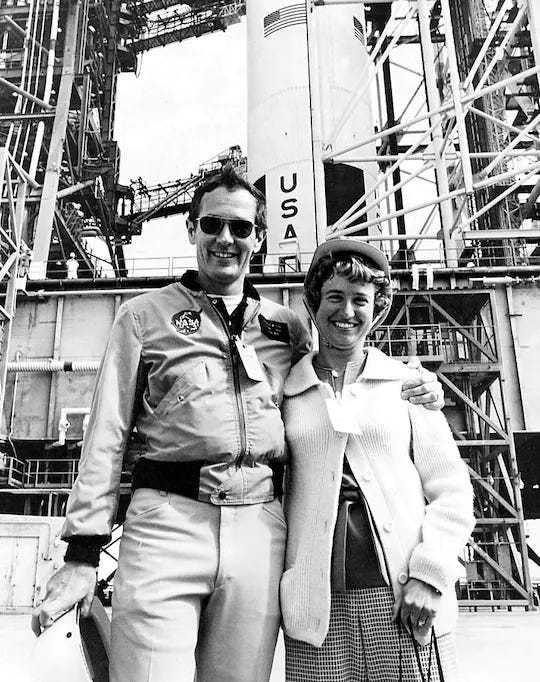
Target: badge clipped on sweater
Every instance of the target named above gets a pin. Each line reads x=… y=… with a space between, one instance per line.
x=249 y=359
x=342 y=411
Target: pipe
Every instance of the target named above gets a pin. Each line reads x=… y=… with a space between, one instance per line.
x=501 y=48
x=42 y=294
x=74 y=188
x=49 y=74
x=98 y=292
x=20 y=106
x=516 y=140
x=490 y=280
x=527 y=208
x=15 y=26
x=534 y=27
x=457 y=96
x=470 y=97
x=480 y=57
x=27 y=95
x=352 y=214
x=64 y=424
x=23 y=175
x=507 y=126
x=396 y=214
x=53 y=366
x=436 y=120
x=429 y=156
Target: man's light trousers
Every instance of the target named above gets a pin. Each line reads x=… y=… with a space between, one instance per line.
x=196 y=590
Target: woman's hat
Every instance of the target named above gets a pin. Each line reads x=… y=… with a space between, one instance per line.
x=350 y=245
x=354 y=245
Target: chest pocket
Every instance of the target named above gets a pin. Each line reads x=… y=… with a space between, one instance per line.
x=195 y=377
x=275 y=380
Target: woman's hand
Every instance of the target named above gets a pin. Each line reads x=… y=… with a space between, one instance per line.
x=419 y=602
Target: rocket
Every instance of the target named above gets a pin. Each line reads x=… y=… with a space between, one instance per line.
x=303 y=100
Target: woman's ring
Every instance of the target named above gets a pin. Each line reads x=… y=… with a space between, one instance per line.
x=421 y=623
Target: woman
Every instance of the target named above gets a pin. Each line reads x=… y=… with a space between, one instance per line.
x=378 y=503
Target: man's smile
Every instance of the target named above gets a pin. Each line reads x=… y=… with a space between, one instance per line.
x=341 y=324
x=223 y=254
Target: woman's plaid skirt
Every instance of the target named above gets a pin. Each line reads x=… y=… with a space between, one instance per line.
x=363 y=644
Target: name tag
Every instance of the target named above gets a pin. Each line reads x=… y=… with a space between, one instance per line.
x=343 y=415
x=342 y=411
x=250 y=361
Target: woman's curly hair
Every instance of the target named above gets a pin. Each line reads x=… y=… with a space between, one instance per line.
x=355 y=269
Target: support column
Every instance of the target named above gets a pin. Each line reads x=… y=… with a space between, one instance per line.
x=534 y=27
x=433 y=102
x=15 y=217
x=42 y=239
x=503 y=328
x=394 y=149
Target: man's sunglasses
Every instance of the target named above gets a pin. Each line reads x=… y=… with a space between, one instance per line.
x=213 y=225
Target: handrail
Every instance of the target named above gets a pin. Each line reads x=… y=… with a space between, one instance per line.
x=425 y=261
x=441 y=342
x=46 y=473
x=55 y=473
x=12 y=470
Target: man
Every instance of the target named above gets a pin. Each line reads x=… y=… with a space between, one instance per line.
x=198 y=367
x=72 y=266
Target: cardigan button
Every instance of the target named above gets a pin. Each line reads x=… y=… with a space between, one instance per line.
x=388 y=526
x=366 y=476
x=402 y=578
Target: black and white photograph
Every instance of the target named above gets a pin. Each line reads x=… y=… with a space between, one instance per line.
x=269 y=347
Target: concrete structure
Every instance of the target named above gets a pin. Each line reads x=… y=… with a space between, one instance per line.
x=30 y=552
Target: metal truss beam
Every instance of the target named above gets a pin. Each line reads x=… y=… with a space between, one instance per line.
x=462 y=342
x=13 y=187
x=44 y=227
x=156 y=28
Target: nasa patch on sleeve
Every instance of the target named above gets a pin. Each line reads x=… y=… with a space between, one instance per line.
x=272 y=329
x=186 y=321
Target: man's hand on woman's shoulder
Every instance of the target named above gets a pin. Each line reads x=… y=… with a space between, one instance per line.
x=423 y=388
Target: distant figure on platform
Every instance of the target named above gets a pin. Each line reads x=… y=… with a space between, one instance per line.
x=72 y=266
x=25 y=258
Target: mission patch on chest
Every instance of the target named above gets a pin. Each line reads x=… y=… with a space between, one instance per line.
x=186 y=321
x=272 y=329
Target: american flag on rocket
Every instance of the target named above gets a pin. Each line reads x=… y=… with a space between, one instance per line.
x=358 y=30
x=286 y=16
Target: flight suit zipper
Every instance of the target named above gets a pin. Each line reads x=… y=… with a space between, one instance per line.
x=236 y=384
x=238 y=397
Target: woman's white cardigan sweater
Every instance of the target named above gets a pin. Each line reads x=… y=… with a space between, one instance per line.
x=410 y=472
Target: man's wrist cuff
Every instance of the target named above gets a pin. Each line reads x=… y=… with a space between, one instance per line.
x=85 y=550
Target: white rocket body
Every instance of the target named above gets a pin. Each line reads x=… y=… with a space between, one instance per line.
x=280 y=98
